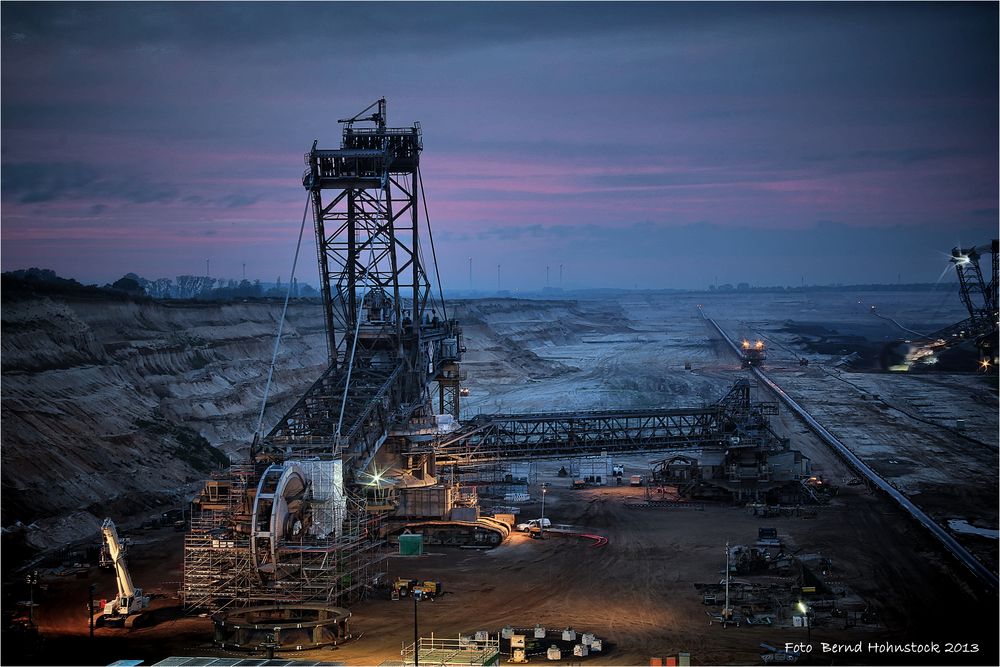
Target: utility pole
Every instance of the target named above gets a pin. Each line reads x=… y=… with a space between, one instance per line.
x=726 y=611
x=416 y=635
x=32 y=580
x=804 y=608
x=93 y=589
x=541 y=524
x=470 y=274
x=546 y=275
x=560 y=276
x=498 y=277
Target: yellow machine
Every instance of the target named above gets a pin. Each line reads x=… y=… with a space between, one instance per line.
x=429 y=589
x=402 y=587
x=420 y=589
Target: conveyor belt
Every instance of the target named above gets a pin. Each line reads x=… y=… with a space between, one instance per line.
x=950 y=544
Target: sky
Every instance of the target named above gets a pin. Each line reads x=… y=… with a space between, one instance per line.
x=641 y=145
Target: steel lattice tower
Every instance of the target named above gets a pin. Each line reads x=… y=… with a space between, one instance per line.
x=387 y=337
x=367 y=231
x=979 y=298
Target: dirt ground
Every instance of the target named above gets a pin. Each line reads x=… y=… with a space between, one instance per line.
x=636 y=592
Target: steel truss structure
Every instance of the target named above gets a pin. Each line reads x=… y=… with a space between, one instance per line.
x=734 y=422
x=385 y=338
x=386 y=343
x=979 y=298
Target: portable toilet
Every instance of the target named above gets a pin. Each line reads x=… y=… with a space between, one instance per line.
x=587 y=639
x=596 y=645
x=580 y=651
x=554 y=653
x=539 y=632
x=569 y=635
x=411 y=544
x=683 y=659
x=507 y=632
x=484 y=635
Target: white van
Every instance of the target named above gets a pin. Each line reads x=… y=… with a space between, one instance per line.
x=528 y=526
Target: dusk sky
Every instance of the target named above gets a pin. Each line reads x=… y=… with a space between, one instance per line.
x=658 y=145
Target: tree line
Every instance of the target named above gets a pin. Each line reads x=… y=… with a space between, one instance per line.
x=181 y=287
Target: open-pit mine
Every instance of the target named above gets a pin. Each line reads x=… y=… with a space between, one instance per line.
x=661 y=478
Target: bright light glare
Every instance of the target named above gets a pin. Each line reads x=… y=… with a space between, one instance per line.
x=376 y=477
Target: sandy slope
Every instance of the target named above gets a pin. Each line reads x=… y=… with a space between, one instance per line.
x=107 y=404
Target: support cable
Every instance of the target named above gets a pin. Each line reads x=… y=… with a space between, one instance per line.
x=281 y=322
x=350 y=368
x=430 y=234
x=889 y=319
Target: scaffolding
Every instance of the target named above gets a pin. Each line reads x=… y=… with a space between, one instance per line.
x=217 y=562
x=334 y=567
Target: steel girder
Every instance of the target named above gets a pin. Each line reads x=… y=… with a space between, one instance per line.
x=735 y=421
x=582 y=434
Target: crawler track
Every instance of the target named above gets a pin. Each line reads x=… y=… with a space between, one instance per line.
x=947 y=541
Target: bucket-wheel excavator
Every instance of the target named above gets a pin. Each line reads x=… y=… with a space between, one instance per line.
x=979 y=296
x=366 y=451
